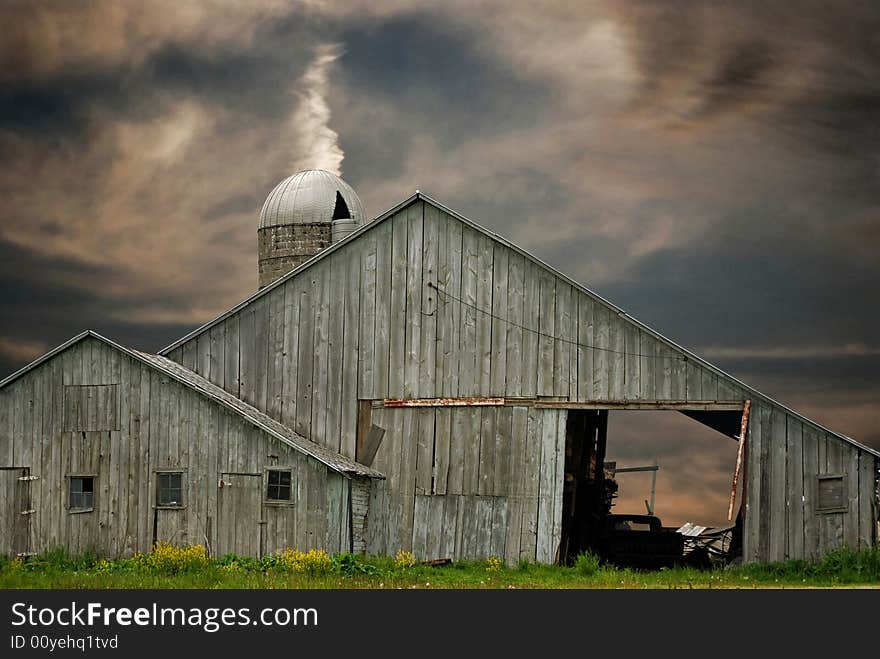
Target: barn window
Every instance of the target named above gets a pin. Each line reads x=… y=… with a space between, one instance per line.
x=830 y=494
x=278 y=488
x=82 y=493
x=169 y=489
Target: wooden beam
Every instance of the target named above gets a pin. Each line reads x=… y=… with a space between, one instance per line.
x=743 y=429
x=691 y=405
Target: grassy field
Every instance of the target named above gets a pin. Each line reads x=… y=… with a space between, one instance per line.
x=190 y=567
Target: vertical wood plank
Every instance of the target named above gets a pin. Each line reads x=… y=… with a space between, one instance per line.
x=777 y=485
x=467 y=355
x=547 y=487
x=563 y=347
x=794 y=488
x=457 y=441
x=616 y=358
x=500 y=327
x=601 y=356
x=217 y=357
x=424 y=451
x=350 y=348
x=585 y=348
x=471 y=439
x=547 y=328
x=451 y=309
x=708 y=384
x=367 y=315
x=810 y=457
x=399 y=289
x=428 y=385
x=412 y=358
x=308 y=303
x=321 y=348
x=290 y=355
x=515 y=479
x=632 y=362
x=694 y=381
x=514 y=339
x=867 y=500
x=383 y=309
x=503 y=450
x=483 y=360
x=450 y=517
x=441 y=451
x=247 y=355
x=486 y=476
x=232 y=352
x=851 y=482
x=275 y=358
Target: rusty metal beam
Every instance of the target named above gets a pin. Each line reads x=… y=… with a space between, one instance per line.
x=441 y=402
x=743 y=429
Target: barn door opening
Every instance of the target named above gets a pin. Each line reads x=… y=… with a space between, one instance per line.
x=15 y=510
x=240 y=523
x=585 y=499
x=679 y=514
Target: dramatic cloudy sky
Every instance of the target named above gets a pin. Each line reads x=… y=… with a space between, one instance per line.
x=712 y=167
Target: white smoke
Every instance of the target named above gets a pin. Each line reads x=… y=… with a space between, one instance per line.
x=317 y=145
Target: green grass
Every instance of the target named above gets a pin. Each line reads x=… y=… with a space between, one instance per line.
x=56 y=569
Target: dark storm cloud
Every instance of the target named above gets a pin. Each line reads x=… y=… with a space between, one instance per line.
x=429 y=74
x=253 y=83
x=795 y=288
x=37 y=306
x=810 y=70
x=231 y=205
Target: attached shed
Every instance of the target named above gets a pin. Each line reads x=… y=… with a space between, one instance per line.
x=108 y=449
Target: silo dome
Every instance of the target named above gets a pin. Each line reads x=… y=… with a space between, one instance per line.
x=304 y=214
x=313 y=196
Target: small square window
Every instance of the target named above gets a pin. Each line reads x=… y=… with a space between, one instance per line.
x=278 y=488
x=169 y=489
x=830 y=495
x=82 y=492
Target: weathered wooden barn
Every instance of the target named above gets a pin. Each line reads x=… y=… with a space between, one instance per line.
x=417 y=383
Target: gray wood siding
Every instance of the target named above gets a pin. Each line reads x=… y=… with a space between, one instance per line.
x=424 y=305
x=494 y=486
x=785 y=458
x=161 y=424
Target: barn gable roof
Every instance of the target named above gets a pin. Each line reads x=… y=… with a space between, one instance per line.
x=419 y=196
x=184 y=376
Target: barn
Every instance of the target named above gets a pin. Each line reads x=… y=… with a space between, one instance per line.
x=414 y=382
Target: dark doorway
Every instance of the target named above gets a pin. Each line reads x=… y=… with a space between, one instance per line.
x=587 y=494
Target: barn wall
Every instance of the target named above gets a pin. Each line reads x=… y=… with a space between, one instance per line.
x=364 y=323
x=469 y=482
x=157 y=424
x=785 y=458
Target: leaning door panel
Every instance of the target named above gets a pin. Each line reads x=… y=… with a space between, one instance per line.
x=15 y=510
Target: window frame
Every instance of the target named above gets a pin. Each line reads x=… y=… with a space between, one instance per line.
x=844 y=507
x=290 y=501
x=158 y=473
x=74 y=510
